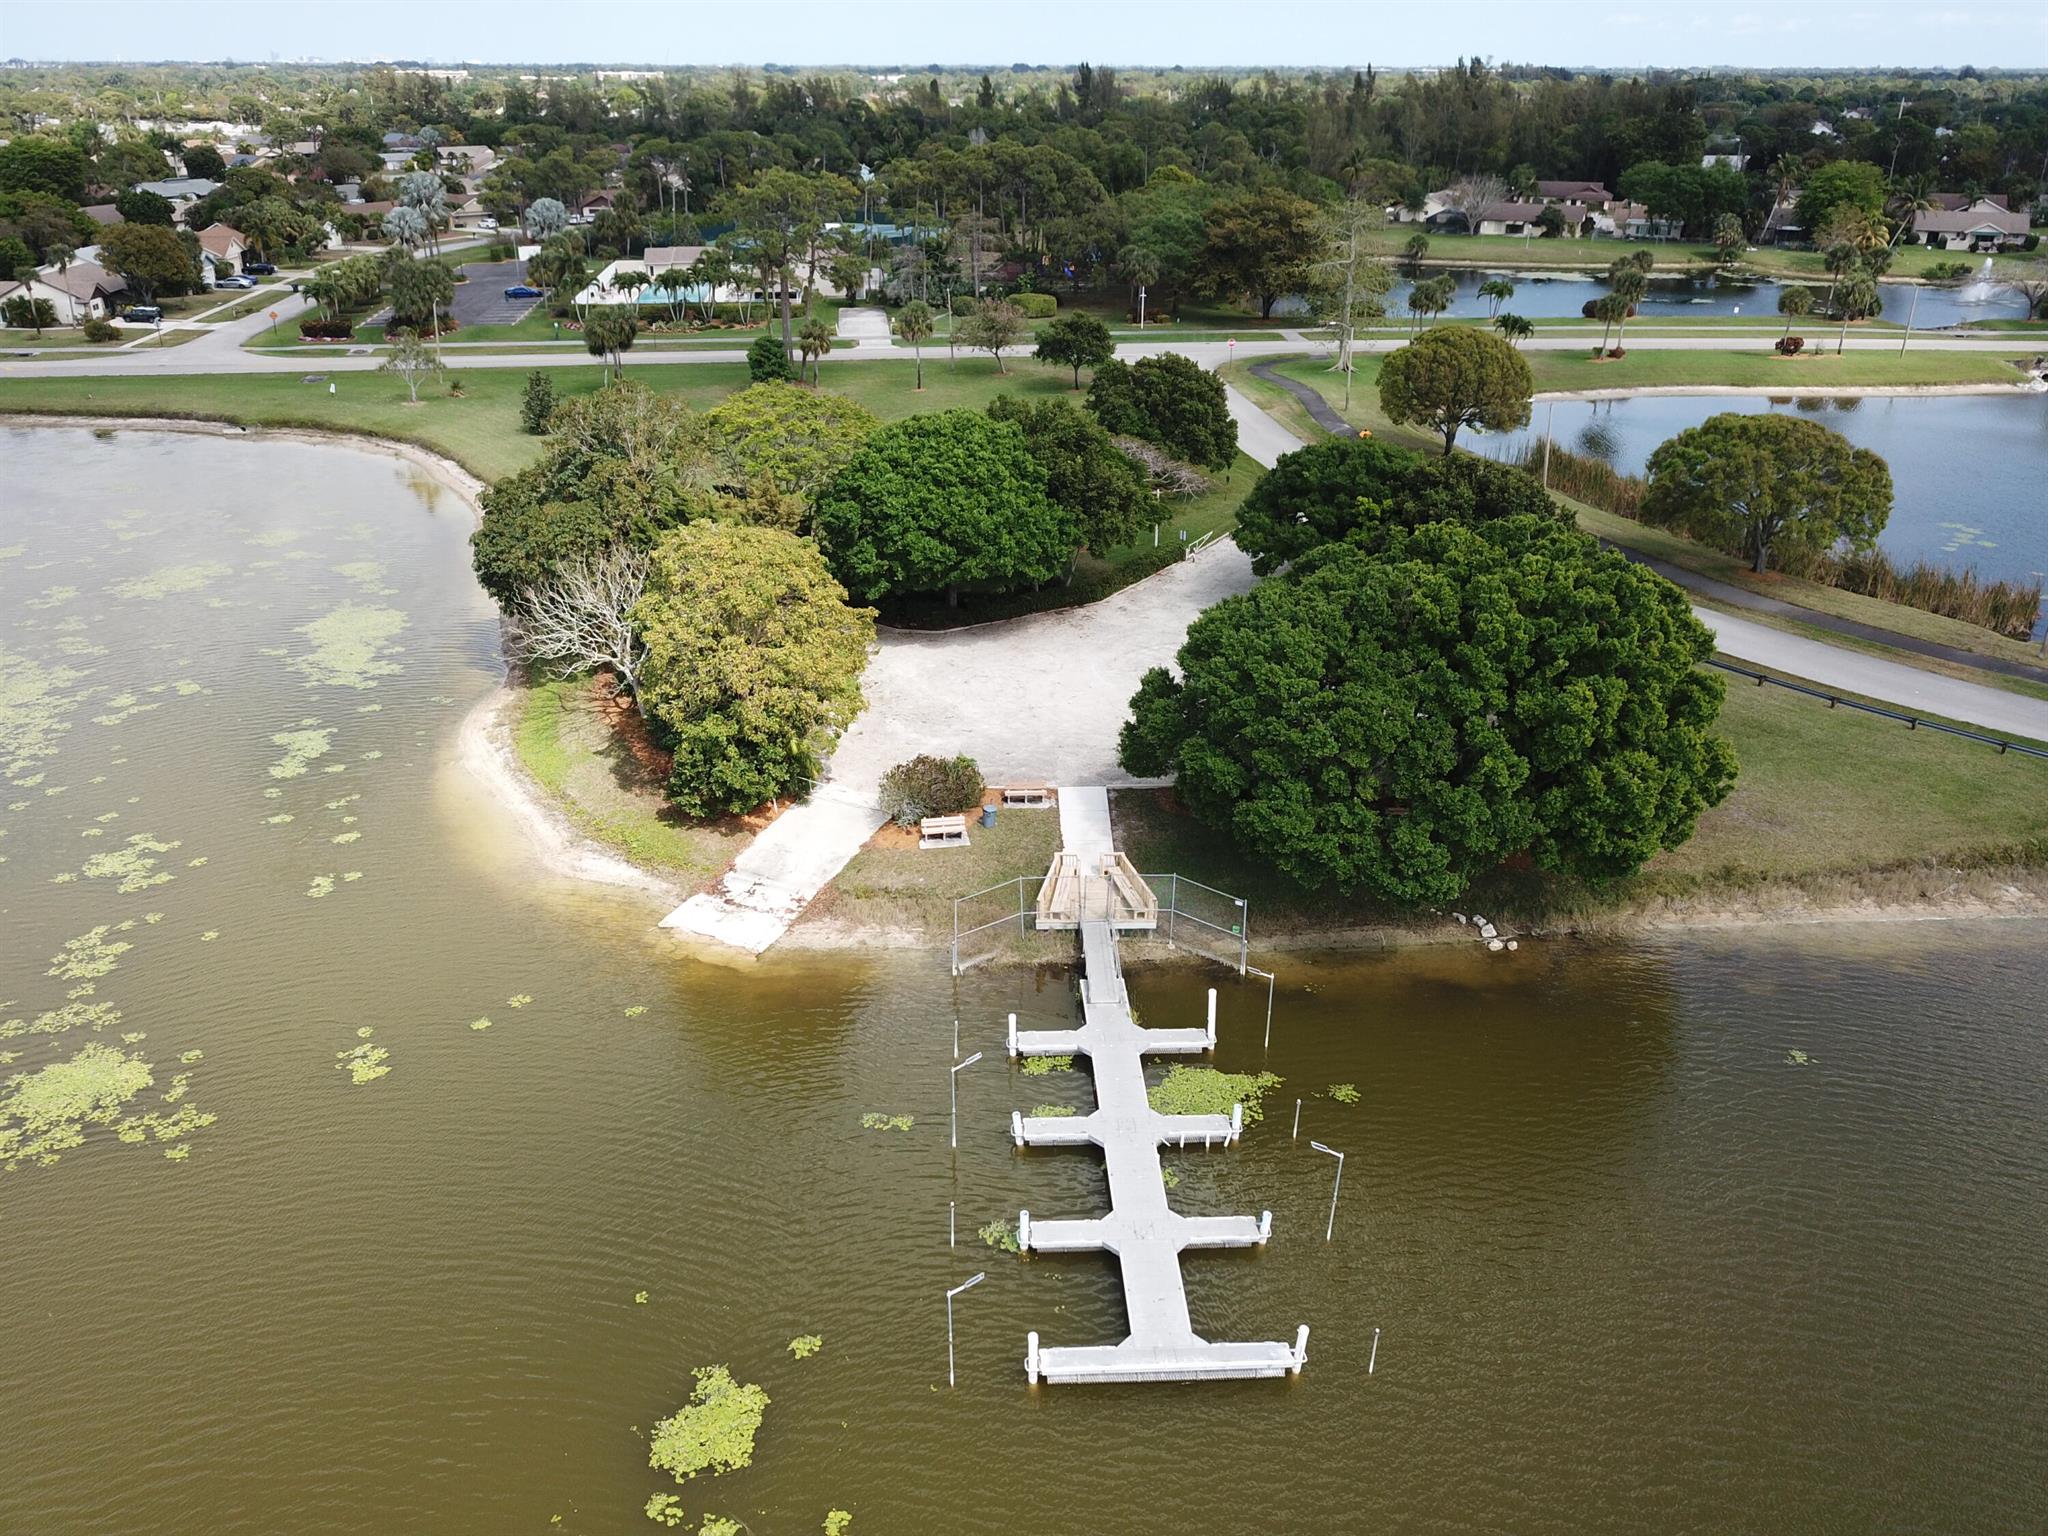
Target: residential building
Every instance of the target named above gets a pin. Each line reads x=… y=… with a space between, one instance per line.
x=181 y=192
x=1984 y=225
x=84 y=290
x=221 y=248
x=1590 y=193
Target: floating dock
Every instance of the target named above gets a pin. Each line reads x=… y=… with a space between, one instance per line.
x=1141 y=1229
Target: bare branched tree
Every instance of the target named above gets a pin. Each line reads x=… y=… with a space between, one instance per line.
x=1168 y=476
x=1474 y=194
x=581 y=617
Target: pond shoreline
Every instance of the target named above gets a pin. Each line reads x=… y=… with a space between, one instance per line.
x=1773 y=391
x=484 y=751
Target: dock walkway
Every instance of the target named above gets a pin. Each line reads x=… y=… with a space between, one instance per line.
x=1141 y=1229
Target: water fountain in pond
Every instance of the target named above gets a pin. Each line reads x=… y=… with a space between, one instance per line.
x=1979 y=291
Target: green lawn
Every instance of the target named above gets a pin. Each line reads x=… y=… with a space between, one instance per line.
x=563 y=741
x=900 y=887
x=1829 y=801
x=53 y=336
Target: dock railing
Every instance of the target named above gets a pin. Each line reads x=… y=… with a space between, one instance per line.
x=1008 y=918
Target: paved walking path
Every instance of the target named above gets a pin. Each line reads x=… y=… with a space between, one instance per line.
x=868 y=329
x=1144 y=1232
x=1084 y=824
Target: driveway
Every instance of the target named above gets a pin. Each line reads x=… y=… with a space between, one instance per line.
x=482 y=301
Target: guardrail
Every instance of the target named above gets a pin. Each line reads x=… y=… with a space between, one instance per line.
x=1912 y=722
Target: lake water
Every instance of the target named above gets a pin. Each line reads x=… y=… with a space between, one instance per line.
x=1968 y=471
x=1740 y=1233
x=1564 y=295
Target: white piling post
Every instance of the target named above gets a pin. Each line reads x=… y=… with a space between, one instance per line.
x=1375 y=1360
x=1212 y=1018
x=1024 y=1230
x=952 y=1237
x=1017 y=1126
x=1236 y=1120
x=1265 y=1227
x=1300 y=1348
x=1297 y=1120
x=1013 y=1036
x=1031 y=1357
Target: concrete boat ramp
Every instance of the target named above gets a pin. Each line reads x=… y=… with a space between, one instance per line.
x=1140 y=1228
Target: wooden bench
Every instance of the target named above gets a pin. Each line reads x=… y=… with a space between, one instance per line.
x=942 y=832
x=1038 y=796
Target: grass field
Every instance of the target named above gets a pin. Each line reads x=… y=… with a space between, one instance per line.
x=53 y=336
x=1829 y=802
x=562 y=740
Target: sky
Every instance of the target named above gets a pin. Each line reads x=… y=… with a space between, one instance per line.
x=1792 y=34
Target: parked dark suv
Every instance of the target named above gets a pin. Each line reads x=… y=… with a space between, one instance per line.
x=260 y=268
x=146 y=314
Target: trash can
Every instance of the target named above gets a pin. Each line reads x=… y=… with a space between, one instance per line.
x=988 y=815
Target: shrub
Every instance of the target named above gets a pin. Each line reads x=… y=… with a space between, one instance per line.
x=101 y=330
x=1617 y=351
x=21 y=312
x=1169 y=400
x=767 y=363
x=930 y=786
x=1789 y=345
x=314 y=328
x=538 y=404
x=1036 y=306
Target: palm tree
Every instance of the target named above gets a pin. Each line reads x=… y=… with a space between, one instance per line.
x=1416 y=248
x=1496 y=291
x=1140 y=268
x=1515 y=328
x=1859 y=300
x=1629 y=286
x=814 y=340
x=26 y=275
x=60 y=256
x=914 y=325
x=1607 y=309
x=629 y=282
x=1792 y=303
x=1841 y=259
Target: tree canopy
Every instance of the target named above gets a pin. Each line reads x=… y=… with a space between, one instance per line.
x=753 y=662
x=1085 y=472
x=1075 y=341
x=1455 y=377
x=941 y=500
x=1400 y=724
x=1754 y=484
x=1363 y=491
x=802 y=437
x=1262 y=244
x=152 y=258
x=1169 y=400
x=619 y=465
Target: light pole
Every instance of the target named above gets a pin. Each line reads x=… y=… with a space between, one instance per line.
x=1332 y=1224
x=953 y=1080
x=1141 y=306
x=1910 y=313
x=966 y=1286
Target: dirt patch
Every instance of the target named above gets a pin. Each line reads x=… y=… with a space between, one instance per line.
x=628 y=728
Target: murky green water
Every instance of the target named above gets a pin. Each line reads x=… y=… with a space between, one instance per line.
x=1635 y=1264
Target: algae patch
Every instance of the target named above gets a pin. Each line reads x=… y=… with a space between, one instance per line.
x=301 y=749
x=349 y=647
x=714 y=1431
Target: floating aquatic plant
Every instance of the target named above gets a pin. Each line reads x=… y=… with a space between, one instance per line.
x=280 y=819
x=177 y=1154
x=351 y=875
x=1053 y=1112
x=520 y=1000
x=47 y=1112
x=836 y=1521
x=188 y=1057
x=805 y=1345
x=1206 y=1091
x=639 y=1298
x=636 y=1010
x=664 y=1509
x=349 y=646
x=95 y=1016
x=875 y=1122
x=323 y=885
x=301 y=748
x=344 y=837
x=718 y=1525
x=363 y=1063
x=1042 y=1066
x=172 y=579
x=1798 y=1058
x=479 y=1023
x=1169 y=1176
x=209 y=936
x=714 y=1431
x=134 y=866
x=33 y=703
x=1344 y=1093
x=1001 y=1234
x=89 y=955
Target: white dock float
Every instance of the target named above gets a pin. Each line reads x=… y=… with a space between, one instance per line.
x=1141 y=1229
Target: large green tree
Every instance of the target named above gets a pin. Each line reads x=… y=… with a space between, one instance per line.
x=1075 y=341
x=942 y=500
x=37 y=164
x=1085 y=472
x=1852 y=186
x=1752 y=484
x=618 y=466
x=1364 y=492
x=1455 y=377
x=152 y=258
x=779 y=217
x=1169 y=400
x=1263 y=244
x=753 y=662
x=1400 y=724
x=801 y=437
